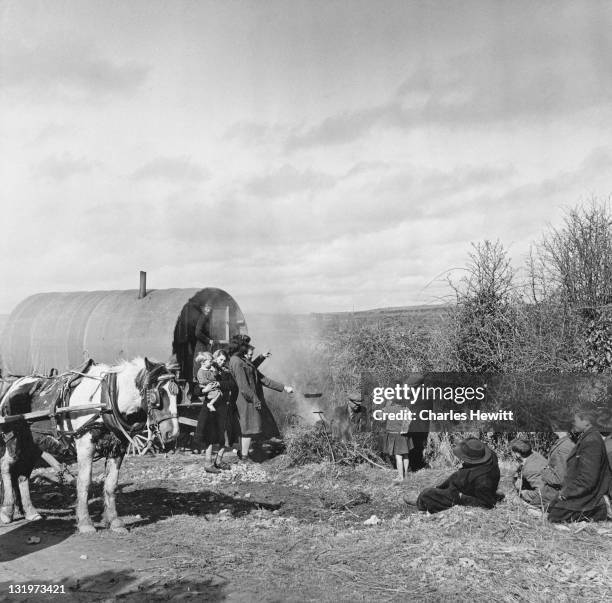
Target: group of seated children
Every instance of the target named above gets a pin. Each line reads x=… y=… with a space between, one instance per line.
x=573 y=484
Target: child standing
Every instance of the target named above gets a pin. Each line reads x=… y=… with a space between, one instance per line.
x=397 y=441
x=207 y=378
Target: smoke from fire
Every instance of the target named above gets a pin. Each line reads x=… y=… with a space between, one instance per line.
x=297 y=359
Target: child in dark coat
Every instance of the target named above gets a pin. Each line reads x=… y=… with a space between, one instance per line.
x=474 y=485
x=588 y=476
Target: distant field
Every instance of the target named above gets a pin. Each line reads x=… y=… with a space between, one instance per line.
x=407 y=315
x=310 y=325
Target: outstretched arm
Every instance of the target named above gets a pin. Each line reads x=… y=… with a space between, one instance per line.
x=270 y=383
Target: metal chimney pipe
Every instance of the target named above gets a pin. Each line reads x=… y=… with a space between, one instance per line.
x=142 y=291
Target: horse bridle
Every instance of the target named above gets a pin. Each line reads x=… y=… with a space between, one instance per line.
x=151 y=396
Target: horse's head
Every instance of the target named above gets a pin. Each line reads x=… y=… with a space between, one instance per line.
x=159 y=392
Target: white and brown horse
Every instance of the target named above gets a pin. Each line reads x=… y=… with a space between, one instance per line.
x=122 y=399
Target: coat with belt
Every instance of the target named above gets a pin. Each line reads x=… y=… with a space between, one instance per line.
x=252 y=409
x=588 y=474
x=554 y=473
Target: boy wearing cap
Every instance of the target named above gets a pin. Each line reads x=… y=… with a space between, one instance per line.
x=474 y=485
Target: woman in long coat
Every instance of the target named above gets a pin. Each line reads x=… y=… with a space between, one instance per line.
x=212 y=428
x=250 y=400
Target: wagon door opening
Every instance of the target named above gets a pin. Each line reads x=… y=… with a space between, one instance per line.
x=225 y=321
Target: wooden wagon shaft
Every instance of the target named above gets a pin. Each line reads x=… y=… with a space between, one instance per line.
x=41 y=415
x=79 y=408
x=51 y=461
x=186 y=421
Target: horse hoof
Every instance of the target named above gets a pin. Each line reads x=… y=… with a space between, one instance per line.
x=4 y=518
x=117 y=526
x=34 y=517
x=87 y=528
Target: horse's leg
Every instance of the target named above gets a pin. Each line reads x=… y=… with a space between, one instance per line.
x=85 y=451
x=29 y=510
x=111 y=518
x=8 y=499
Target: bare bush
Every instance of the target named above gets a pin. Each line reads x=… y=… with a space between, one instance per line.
x=571 y=274
x=575 y=260
x=306 y=444
x=484 y=321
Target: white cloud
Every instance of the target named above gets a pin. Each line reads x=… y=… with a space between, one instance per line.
x=287 y=180
x=171 y=169
x=66 y=67
x=64 y=167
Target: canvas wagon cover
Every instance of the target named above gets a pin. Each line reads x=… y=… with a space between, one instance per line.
x=60 y=330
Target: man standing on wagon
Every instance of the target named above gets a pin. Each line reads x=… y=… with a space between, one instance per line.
x=203 y=339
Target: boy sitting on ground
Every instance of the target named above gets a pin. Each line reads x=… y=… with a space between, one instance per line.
x=528 y=477
x=474 y=485
x=207 y=378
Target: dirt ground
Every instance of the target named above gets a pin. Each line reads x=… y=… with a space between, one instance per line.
x=269 y=533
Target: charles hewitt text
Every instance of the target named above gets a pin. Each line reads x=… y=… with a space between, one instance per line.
x=450 y=415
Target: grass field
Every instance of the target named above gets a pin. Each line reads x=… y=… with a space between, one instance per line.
x=270 y=533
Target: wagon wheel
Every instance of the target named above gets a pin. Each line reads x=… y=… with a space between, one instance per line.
x=144 y=443
x=139 y=444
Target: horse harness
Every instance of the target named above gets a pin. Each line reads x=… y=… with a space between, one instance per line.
x=149 y=384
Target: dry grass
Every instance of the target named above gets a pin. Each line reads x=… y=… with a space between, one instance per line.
x=505 y=554
x=217 y=536
x=463 y=554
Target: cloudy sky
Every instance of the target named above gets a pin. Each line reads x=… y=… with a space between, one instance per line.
x=303 y=155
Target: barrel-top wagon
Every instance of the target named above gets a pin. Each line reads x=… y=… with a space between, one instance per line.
x=51 y=333
x=59 y=330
